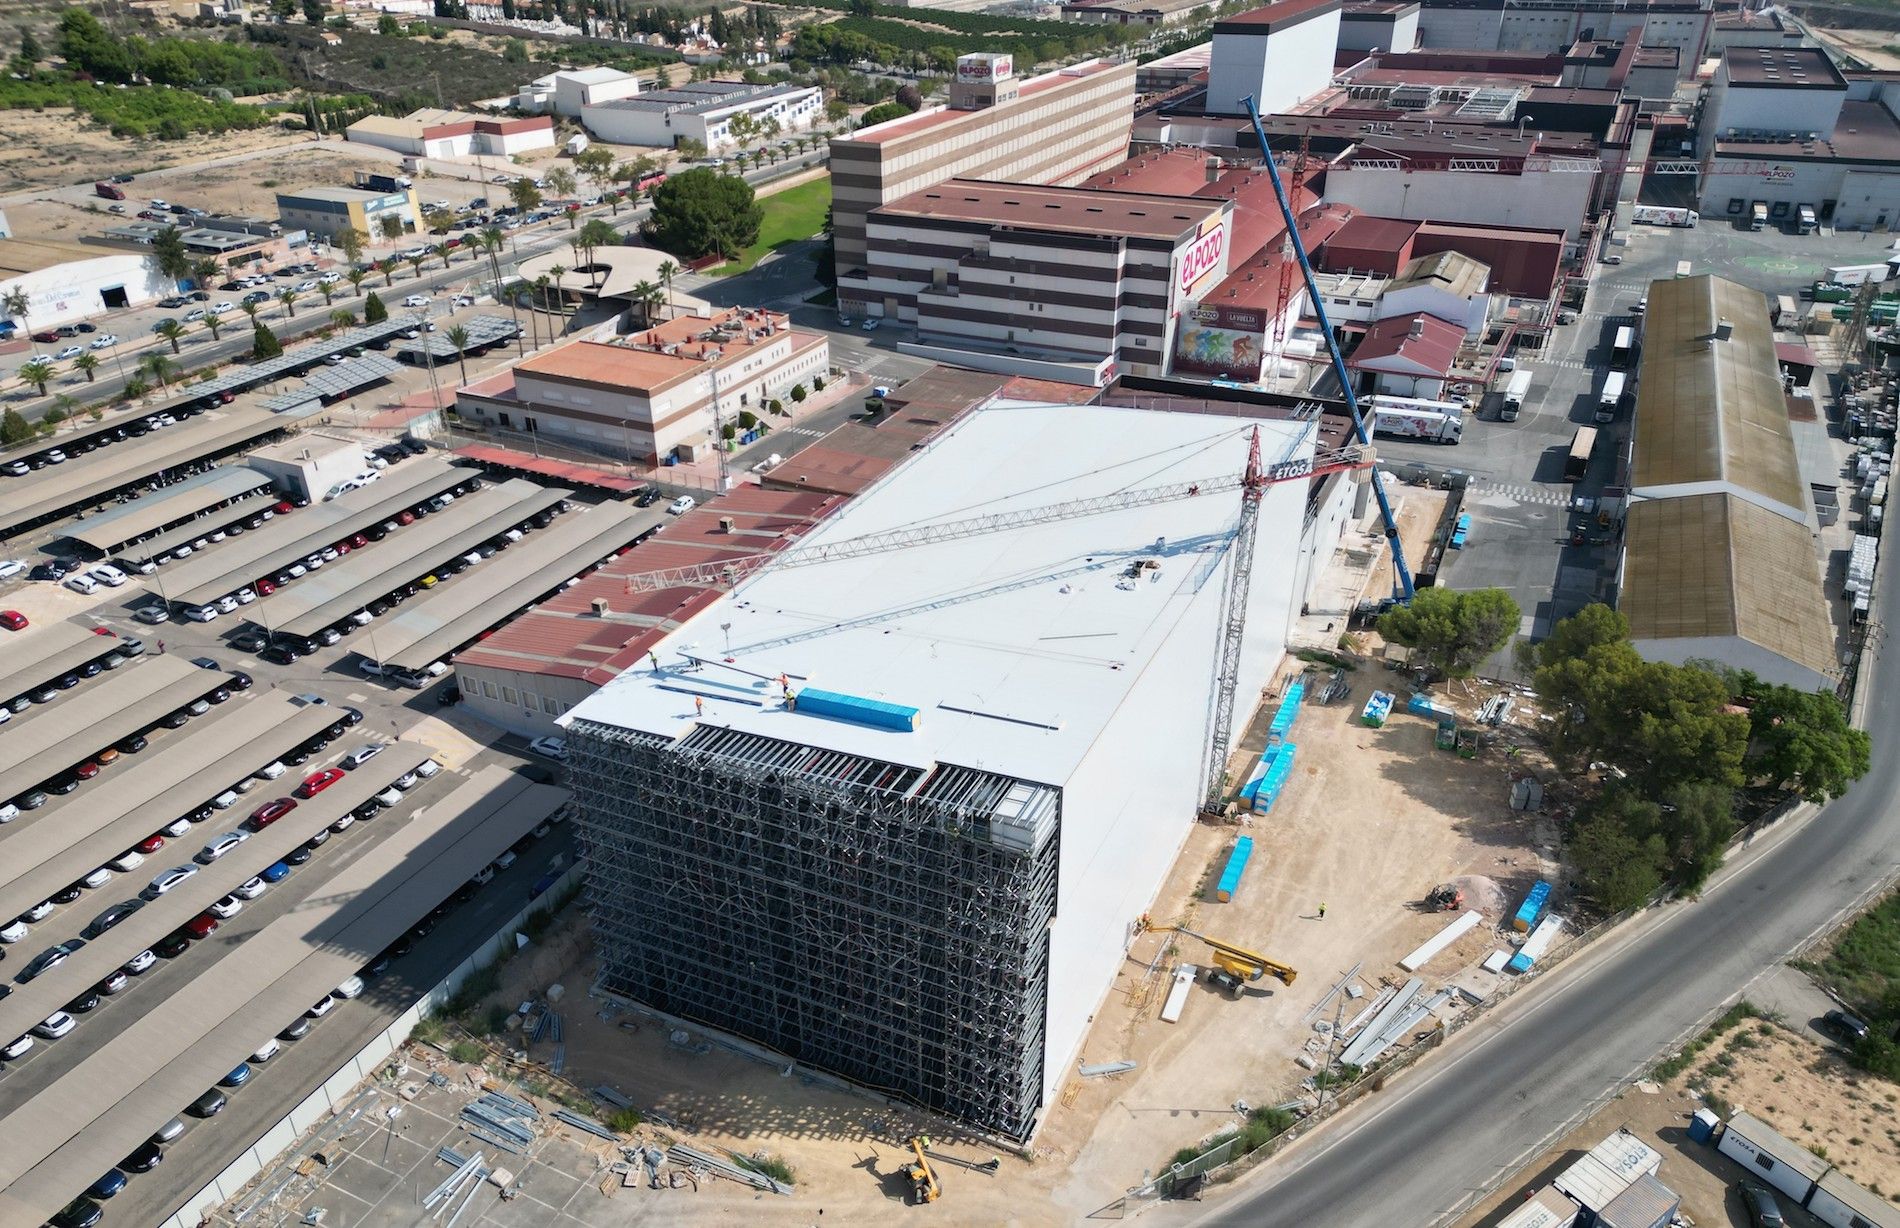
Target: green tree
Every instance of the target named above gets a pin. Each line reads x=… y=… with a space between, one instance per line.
x=387 y=268
x=264 y=342
x=37 y=372
x=881 y=112
x=515 y=51
x=415 y=264
x=388 y=26
x=1801 y=741
x=15 y=303
x=1694 y=824
x=356 y=278
x=691 y=148
x=374 y=312
x=445 y=252
x=668 y=271
x=205 y=271
x=314 y=12
x=524 y=194
x=458 y=337
x=171 y=330
x=391 y=226
x=159 y=368
x=168 y=250
x=31 y=52
x=699 y=213
x=14 y=429
x=288 y=297
x=212 y=324
x=87 y=365
x=343 y=317
x=350 y=242
x=438 y=221
x=798 y=393
x=1452 y=631
x=1618 y=868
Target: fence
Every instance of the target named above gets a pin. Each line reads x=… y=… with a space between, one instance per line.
x=339 y=1089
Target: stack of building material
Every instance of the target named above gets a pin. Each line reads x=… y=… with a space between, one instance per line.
x=1464 y=924
x=1532 y=908
x=1275 y=765
x=1229 y=883
x=1860 y=573
x=692 y=1157
x=501 y=1120
x=1377 y=709
x=1535 y=946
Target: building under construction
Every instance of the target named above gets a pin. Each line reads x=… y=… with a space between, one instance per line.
x=893 y=806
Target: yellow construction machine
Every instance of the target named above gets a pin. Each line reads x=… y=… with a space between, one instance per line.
x=923 y=1178
x=1234 y=965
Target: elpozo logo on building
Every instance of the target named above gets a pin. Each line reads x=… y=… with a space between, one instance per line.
x=1202 y=257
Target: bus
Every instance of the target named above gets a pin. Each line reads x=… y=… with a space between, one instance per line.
x=1623 y=349
x=1581 y=446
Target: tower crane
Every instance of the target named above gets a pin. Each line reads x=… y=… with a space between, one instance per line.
x=1251 y=484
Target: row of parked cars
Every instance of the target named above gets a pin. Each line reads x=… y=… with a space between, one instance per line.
x=137 y=428
x=121 y=650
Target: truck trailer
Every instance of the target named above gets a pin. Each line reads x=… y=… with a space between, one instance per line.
x=1439 y=422
x=1610 y=397
x=1661 y=215
x=1514 y=394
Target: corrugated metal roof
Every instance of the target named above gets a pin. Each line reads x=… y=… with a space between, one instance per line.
x=1710 y=411
x=147 y=514
x=1548 y=1208
x=1647 y=1204
x=1716 y=566
x=1453 y=272
x=1771 y=1142
x=1862 y=1202
x=1608 y=1169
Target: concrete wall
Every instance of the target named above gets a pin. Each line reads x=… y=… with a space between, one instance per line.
x=1121 y=831
x=1546 y=199
x=519 y=701
x=1737 y=653
x=341 y=1088
x=1380 y=32
x=1769 y=109
x=79 y=288
x=1279 y=69
x=315 y=475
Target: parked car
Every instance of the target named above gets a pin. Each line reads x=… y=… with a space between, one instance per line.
x=549 y=748
x=1763 y=1210
x=269 y=813
x=1850 y=1028
x=221 y=846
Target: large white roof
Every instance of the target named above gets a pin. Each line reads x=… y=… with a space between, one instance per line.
x=1016 y=646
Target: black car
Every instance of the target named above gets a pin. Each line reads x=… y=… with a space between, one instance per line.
x=415 y=447
x=352 y=716
x=68 y=681
x=207 y=1105
x=47 y=571
x=68 y=894
x=205 y=663
x=393 y=452
x=171 y=946
x=44 y=695
x=240 y=681
x=219 y=694
x=1763 y=1210
x=79 y=1213
x=648 y=497
x=449 y=695
x=33 y=799
x=1850 y=1028
x=176 y=720
x=63 y=785
x=82 y=1004
x=297 y=856
x=277 y=654
x=378 y=608
x=133 y=745
x=111 y=917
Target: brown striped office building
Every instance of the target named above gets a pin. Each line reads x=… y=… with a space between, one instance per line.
x=1058 y=128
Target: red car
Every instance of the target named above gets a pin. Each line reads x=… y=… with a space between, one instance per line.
x=105 y=631
x=270 y=812
x=202 y=925
x=86 y=771
x=151 y=844
x=316 y=784
x=12 y=620
x=359 y=541
x=266 y=587
x=407 y=518
x=282 y=507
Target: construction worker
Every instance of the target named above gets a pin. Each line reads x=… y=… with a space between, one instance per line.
x=1322 y=910
x=699 y=706
x=655 y=658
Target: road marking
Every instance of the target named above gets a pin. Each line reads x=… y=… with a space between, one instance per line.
x=1526 y=494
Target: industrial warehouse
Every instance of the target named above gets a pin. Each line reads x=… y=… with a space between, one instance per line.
x=954 y=740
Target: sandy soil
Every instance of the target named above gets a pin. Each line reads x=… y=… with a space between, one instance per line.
x=59 y=147
x=1801 y=1088
x=1375 y=819
x=1869 y=45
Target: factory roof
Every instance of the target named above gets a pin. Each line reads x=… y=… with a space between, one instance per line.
x=1075 y=210
x=1380 y=8
x=1714 y=566
x=20 y=256
x=1409 y=345
x=640 y=362
x=1015 y=646
x=1865 y=132
x=1184 y=172
x=1453 y=272
x=1276 y=16
x=342 y=196
x=936 y=117
x=1800 y=68
x=700 y=97
x=1709 y=412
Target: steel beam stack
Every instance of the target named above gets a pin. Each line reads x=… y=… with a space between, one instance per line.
x=886 y=923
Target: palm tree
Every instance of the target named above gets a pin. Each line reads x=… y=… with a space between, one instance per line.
x=343 y=317
x=86 y=364
x=15 y=302
x=557 y=272
x=541 y=291
x=212 y=324
x=387 y=268
x=206 y=271
x=458 y=337
x=415 y=264
x=591 y=238
x=288 y=297
x=445 y=251
x=38 y=372
x=356 y=277
x=328 y=290
x=249 y=309
x=171 y=330
x=668 y=270
x=645 y=293
x=159 y=368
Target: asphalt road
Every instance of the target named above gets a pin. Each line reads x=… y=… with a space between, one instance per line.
x=1551 y=1057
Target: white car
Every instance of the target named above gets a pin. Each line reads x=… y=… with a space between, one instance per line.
x=153 y=614
x=10 y=568
x=230 y=906
x=416 y=300
x=13 y=931
x=140 y=962
x=343 y=824
x=549 y=748
x=175 y=828
x=427 y=768
x=270 y=1050
x=39 y=912
x=71 y=351
x=362 y=754
x=222 y=845
x=168 y=880
x=227 y=604
x=8 y=811
x=350 y=988
x=681 y=505
x=329 y=279
x=105 y=341
x=127 y=862
x=194 y=315
x=271 y=771
x=305 y=287
x=322 y=1008
x=245 y=596
x=82 y=584
x=391 y=796
x=54 y=1025
x=16 y=1047
x=407 y=781
x=98 y=878
x=107 y=574
x=218 y=309
x=201 y=613
x=250 y=889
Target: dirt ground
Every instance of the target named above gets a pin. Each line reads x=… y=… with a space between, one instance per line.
x=1802 y=1088
x=1374 y=820
x=57 y=147
x=1872 y=46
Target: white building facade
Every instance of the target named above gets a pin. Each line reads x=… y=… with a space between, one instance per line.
x=73 y=289
x=566 y=93
x=702 y=112
x=1279 y=55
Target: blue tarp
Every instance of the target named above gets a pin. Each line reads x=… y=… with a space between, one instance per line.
x=857 y=710
x=1236 y=864
x=1533 y=908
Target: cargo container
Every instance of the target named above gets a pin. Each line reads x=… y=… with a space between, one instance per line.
x=1660 y=215
x=1611 y=397
x=1839 y=1203
x=1856 y=274
x=1786 y=313
x=1532 y=908
x=1648 y=1203
x=1547 y=1208
x=1514 y=394
x=383 y=183
x=1623 y=347
x=1804 y=220
x=1536 y=945
x=1582 y=444
x=1778 y=1162
x=1758 y=215
x=1609 y=1168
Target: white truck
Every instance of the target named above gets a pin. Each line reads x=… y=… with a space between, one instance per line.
x=1856 y=274
x=1514 y=393
x=1610 y=397
x=1660 y=215
x=1440 y=422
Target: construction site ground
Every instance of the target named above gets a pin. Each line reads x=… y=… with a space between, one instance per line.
x=1800 y=1085
x=1373 y=820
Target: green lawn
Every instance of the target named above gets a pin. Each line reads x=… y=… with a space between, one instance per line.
x=794 y=214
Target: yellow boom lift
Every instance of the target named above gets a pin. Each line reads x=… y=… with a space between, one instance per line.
x=1234 y=965
x=923 y=1178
